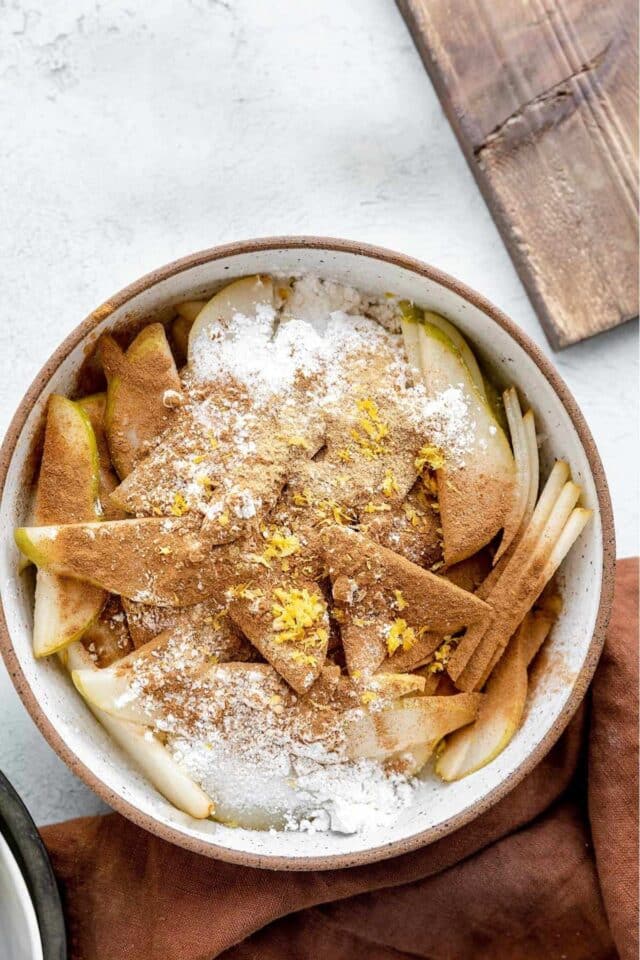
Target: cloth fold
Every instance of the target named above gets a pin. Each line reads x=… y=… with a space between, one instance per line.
x=550 y=871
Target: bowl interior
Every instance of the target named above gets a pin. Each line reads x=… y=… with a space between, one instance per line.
x=438 y=807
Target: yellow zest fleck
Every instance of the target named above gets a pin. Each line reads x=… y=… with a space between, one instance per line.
x=179 y=506
x=431 y=457
x=400 y=635
x=337 y=614
x=206 y=483
x=372 y=430
x=242 y=591
x=359 y=622
x=296 y=616
x=213 y=443
x=356 y=674
x=303 y=659
x=412 y=515
x=223 y=519
x=281 y=544
x=442 y=655
x=301 y=499
x=213 y=659
x=430 y=484
x=368 y=697
x=298 y=442
x=165 y=551
x=343 y=455
x=331 y=510
x=199 y=458
x=372 y=507
x=389 y=484
x=399 y=600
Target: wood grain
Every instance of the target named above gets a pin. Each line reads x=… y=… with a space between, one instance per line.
x=542 y=95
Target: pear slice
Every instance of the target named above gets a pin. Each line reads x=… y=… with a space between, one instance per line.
x=409 y=722
x=108 y=639
x=382 y=597
x=288 y=622
x=143 y=388
x=208 y=620
x=476 y=495
x=533 y=467
x=514 y=595
x=243 y=296
x=116 y=689
x=461 y=345
x=152 y=560
x=501 y=709
x=145 y=684
x=94 y=406
x=511 y=567
x=67 y=490
x=181 y=325
x=144 y=748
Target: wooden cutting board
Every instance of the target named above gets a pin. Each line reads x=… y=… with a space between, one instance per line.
x=542 y=95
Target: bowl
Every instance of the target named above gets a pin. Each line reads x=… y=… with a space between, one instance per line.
x=587 y=574
x=31 y=915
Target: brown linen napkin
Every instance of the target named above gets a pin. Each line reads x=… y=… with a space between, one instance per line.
x=549 y=872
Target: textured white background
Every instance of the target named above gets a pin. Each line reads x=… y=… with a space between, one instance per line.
x=133 y=133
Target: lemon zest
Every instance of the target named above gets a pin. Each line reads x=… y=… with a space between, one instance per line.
x=400 y=635
x=429 y=456
x=399 y=600
x=389 y=484
x=179 y=506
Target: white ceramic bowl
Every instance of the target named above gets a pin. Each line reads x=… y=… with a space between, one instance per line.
x=19 y=931
x=587 y=575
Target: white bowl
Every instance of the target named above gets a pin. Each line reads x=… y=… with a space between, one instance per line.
x=18 y=922
x=587 y=574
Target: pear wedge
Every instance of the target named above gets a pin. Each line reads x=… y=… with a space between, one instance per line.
x=94 y=406
x=181 y=325
x=476 y=495
x=146 y=750
x=461 y=345
x=152 y=560
x=243 y=296
x=138 y=384
x=501 y=709
x=67 y=490
x=410 y=722
x=380 y=593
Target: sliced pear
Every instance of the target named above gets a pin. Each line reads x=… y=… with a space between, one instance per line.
x=243 y=296
x=142 y=389
x=67 y=490
x=512 y=567
x=410 y=722
x=94 y=406
x=513 y=522
x=475 y=497
x=514 y=596
x=288 y=622
x=68 y=483
x=108 y=639
x=381 y=594
x=501 y=709
x=152 y=560
x=181 y=325
x=461 y=346
x=144 y=748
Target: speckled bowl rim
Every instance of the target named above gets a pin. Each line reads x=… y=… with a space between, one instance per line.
x=546 y=368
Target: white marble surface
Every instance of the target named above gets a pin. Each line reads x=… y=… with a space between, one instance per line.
x=135 y=133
